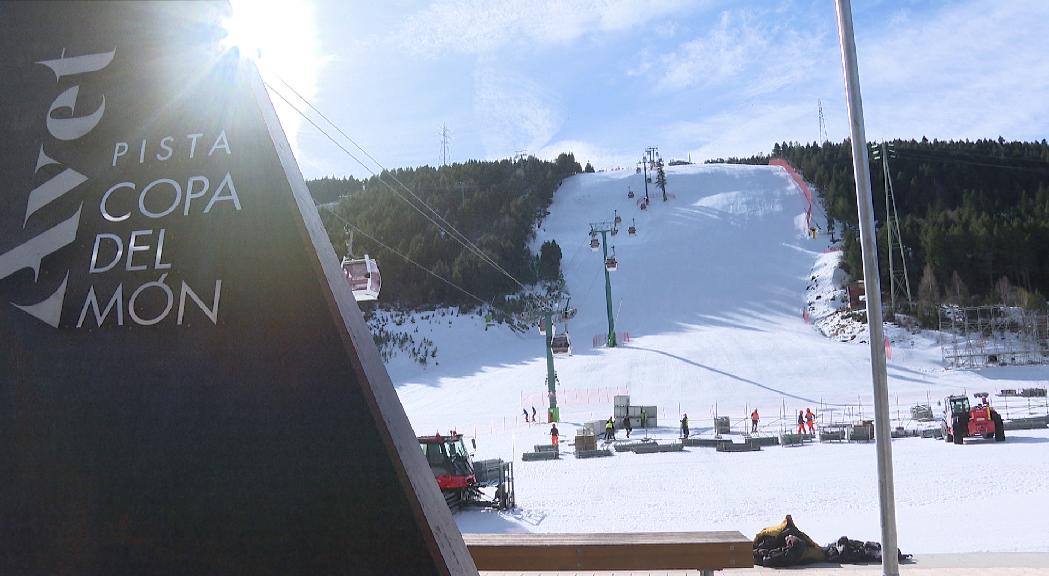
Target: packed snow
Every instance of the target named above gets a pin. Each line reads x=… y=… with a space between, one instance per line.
x=715 y=303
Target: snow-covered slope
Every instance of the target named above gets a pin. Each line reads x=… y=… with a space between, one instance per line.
x=712 y=292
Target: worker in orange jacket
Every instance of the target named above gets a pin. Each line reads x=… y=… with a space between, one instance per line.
x=810 y=419
x=754 y=421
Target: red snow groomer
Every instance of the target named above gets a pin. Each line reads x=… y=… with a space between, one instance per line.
x=961 y=420
x=461 y=480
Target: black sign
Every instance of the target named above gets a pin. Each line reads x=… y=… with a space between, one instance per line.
x=186 y=384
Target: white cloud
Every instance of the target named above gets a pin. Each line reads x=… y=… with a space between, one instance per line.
x=971 y=70
x=514 y=112
x=741 y=132
x=600 y=157
x=482 y=26
x=755 y=54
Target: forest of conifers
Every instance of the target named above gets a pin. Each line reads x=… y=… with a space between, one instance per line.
x=974 y=220
x=974 y=216
x=496 y=205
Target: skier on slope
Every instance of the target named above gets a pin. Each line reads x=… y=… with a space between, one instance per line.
x=554 y=434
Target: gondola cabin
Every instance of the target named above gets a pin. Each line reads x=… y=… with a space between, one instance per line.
x=611 y=264
x=595 y=244
x=561 y=345
x=363 y=276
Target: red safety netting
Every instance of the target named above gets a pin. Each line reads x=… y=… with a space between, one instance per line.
x=804 y=186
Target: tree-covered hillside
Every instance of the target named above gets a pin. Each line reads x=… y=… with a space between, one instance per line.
x=971 y=214
x=496 y=205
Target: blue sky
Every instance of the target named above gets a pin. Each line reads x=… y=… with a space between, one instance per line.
x=606 y=78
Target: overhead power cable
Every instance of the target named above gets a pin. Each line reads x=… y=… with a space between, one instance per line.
x=444 y=225
x=954 y=160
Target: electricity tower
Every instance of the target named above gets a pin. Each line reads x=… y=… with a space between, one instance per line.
x=898 y=281
x=823 y=124
x=444 y=144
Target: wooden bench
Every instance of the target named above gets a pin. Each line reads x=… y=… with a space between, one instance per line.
x=530 y=552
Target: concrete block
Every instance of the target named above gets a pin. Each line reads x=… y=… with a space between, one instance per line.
x=533 y=456
x=621 y=400
x=764 y=440
x=652 y=447
x=1026 y=423
x=545 y=448
x=704 y=442
x=593 y=453
x=737 y=447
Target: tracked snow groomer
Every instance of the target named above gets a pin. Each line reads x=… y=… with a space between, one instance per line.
x=960 y=420
x=463 y=481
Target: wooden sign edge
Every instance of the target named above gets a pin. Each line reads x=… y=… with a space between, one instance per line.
x=416 y=480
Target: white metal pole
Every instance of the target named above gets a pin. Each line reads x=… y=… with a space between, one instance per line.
x=864 y=201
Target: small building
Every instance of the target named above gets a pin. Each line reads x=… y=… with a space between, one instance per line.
x=857 y=295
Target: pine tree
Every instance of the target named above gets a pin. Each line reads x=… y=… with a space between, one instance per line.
x=661 y=179
x=589 y=169
x=928 y=297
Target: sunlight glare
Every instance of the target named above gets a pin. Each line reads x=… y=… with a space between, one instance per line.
x=282 y=38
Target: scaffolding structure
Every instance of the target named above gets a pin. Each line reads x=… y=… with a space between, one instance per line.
x=978 y=336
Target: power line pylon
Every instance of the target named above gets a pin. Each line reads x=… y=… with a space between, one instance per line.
x=823 y=123
x=898 y=280
x=444 y=144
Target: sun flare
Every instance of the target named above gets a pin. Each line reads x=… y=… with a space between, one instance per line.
x=282 y=38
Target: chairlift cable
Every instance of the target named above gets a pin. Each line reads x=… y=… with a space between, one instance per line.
x=406 y=258
x=347 y=222
x=482 y=256
x=457 y=235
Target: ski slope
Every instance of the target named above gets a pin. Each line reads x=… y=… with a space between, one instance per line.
x=711 y=292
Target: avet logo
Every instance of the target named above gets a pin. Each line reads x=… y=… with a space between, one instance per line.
x=31 y=252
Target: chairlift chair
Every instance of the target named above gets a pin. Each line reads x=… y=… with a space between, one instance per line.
x=618 y=219
x=633 y=228
x=363 y=276
x=629 y=193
